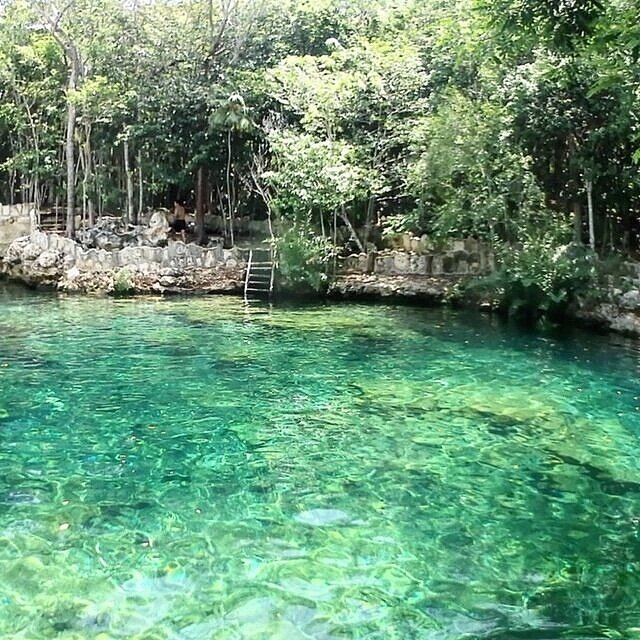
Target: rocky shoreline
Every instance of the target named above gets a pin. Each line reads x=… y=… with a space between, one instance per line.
x=428 y=289
x=51 y=261
x=620 y=315
x=610 y=317
x=43 y=260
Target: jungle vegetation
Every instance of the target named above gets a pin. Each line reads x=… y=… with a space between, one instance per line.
x=510 y=121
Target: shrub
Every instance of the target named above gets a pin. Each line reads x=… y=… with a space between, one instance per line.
x=543 y=276
x=123 y=283
x=305 y=258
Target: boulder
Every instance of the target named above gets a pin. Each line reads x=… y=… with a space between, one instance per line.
x=630 y=300
x=158 y=231
x=47 y=260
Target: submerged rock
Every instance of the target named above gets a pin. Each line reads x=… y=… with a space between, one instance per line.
x=323 y=517
x=135 y=606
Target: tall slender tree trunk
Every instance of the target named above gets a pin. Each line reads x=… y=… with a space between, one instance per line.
x=140 y=188
x=335 y=240
x=223 y=214
x=229 y=202
x=572 y=148
x=129 y=179
x=98 y=165
x=201 y=200
x=577 y=221
x=592 y=231
x=36 y=149
x=83 y=164
x=352 y=231
x=88 y=177
x=12 y=186
x=371 y=207
x=70 y=141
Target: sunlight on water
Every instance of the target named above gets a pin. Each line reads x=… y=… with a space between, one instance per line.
x=193 y=469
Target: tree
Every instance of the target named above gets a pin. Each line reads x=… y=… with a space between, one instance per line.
x=232 y=117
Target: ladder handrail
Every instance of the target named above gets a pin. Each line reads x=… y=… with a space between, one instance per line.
x=273 y=272
x=256 y=278
x=246 y=279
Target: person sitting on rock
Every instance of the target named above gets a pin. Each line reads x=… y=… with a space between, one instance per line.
x=179 y=223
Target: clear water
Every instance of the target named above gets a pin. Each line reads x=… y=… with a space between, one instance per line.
x=192 y=469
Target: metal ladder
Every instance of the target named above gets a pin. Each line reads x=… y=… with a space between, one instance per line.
x=260 y=276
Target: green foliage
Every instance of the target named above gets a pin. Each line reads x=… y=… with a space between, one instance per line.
x=456 y=118
x=393 y=225
x=305 y=258
x=314 y=175
x=123 y=283
x=557 y=22
x=470 y=179
x=541 y=276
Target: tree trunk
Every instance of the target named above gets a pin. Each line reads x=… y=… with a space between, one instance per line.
x=88 y=176
x=592 y=232
x=129 y=180
x=230 y=205
x=352 y=231
x=223 y=214
x=82 y=156
x=577 y=221
x=335 y=241
x=371 y=207
x=140 y=188
x=84 y=189
x=573 y=188
x=99 y=185
x=69 y=143
x=36 y=149
x=12 y=186
x=201 y=199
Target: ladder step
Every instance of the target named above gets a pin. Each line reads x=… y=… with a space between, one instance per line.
x=259 y=273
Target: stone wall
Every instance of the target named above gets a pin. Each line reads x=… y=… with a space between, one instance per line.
x=15 y=221
x=460 y=257
x=176 y=255
x=53 y=260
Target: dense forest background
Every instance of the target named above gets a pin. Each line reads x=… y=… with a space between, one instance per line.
x=504 y=120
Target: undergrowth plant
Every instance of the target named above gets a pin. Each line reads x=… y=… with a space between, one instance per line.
x=305 y=259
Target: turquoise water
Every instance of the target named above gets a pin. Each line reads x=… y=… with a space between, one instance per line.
x=193 y=469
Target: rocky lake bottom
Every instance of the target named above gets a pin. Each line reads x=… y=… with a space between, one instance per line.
x=190 y=469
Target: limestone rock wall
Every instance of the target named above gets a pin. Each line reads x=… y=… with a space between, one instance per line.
x=461 y=257
x=621 y=312
x=53 y=260
x=15 y=221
